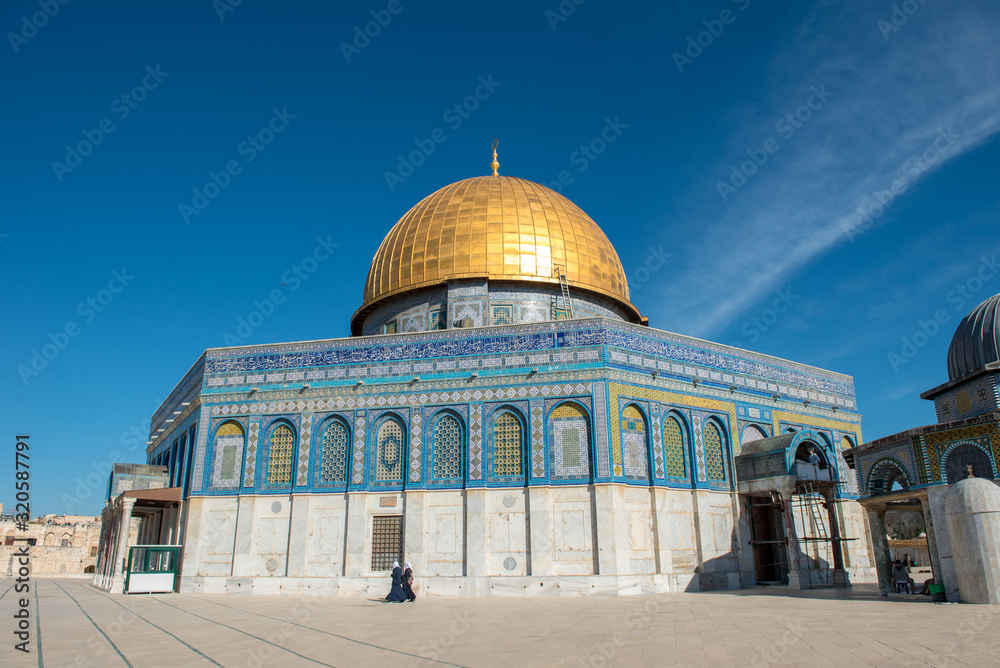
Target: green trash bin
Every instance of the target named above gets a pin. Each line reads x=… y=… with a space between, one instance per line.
x=937 y=593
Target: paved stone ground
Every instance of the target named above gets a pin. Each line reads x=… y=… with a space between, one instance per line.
x=73 y=624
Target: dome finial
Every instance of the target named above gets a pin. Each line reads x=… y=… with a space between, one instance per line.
x=495 y=165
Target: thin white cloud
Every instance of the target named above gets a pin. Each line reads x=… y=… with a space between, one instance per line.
x=937 y=77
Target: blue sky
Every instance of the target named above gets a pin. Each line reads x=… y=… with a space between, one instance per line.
x=747 y=136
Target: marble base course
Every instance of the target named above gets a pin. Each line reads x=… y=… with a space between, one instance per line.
x=378 y=587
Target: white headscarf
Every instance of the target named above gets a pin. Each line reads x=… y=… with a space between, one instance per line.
x=395 y=564
x=409 y=565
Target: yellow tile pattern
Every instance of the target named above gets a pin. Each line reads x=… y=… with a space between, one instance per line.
x=934 y=440
x=495 y=227
x=664 y=397
x=813 y=421
x=568 y=409
x=279 y=464
x=230 y=429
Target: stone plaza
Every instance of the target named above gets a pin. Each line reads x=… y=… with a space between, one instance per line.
x=76 y=624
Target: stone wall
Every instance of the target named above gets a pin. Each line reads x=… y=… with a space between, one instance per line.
x=582 y=539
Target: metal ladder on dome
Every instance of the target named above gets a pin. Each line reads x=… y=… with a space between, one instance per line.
x=564 y=288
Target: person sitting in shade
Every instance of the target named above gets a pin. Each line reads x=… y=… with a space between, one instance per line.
x=408 y=583
x=900 y=577
x=396 y=594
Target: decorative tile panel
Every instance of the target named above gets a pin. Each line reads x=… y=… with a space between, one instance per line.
x=570 y=449
x=305 y=438
x=475 y=442
x=358 y=475
x=248 y=473
x=635 y=446
x=416 y=425
x=601 y=427
x=537 y=446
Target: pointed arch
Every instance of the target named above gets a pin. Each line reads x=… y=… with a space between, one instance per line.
x=390 y=448
x=635 y=443
x=508 y=439
x=713 y=437
x=675 y=445
x=569 y=441
x=280 y=453
x=334 y=441
x=449 y=433
x=228 y=446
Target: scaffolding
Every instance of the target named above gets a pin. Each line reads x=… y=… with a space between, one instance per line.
x=809 y=520
x=809 y=504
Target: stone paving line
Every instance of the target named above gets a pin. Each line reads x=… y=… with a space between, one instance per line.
x=74 y=624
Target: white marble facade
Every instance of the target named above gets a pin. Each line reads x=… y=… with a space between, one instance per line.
x=481 y=542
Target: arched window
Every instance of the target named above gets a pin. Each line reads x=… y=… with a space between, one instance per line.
x=634 y=443
x=389 y=463
x=569 y=431
x=336 y=443
x=279 y=456
x=447 y=457
x=887 y=475
x=228 y=455
x=508 y=446
x=715 y=463
x=961 y=458
x=673 y=448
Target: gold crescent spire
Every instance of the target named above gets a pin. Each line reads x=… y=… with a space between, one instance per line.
x=495 y=165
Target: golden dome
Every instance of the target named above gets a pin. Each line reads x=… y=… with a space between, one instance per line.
x=498 y=228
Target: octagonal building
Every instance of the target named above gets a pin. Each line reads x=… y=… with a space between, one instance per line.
x=503 y=417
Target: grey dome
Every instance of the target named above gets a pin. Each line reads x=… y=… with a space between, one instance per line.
x=977 y=340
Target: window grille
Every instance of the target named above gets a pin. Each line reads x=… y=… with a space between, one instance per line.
x=387 y=541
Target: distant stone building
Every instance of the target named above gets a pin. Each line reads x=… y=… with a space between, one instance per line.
x=504 y=418
x=61 y=544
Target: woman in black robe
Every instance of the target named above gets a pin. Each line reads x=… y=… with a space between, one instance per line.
x=408 y=583
x=396 y=594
